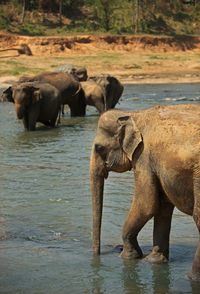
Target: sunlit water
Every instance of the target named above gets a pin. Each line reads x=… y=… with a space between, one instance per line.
x=45 y=210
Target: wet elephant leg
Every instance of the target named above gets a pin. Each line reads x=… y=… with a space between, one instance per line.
x=25 y=121
x=77 y=110
x=33 y=115
x=162 y=226
x=143 y=208
x=195 y=272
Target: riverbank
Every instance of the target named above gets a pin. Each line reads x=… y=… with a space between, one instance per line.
x=132 y=59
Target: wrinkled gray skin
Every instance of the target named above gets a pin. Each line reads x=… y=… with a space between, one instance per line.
x=161 y=145
x=70 y=89
x=94 y=95
x=80 y=73
x=112 y=87
x=36 y=102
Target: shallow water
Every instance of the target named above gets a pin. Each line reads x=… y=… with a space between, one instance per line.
x=45 y=211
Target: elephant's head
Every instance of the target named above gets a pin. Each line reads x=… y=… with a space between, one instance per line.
x=25 y=95
x=7 y=95
x=117 y=139
x=112 y=87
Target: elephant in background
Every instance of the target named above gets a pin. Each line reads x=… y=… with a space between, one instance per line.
x=112 y=87
x=70 y=89
x=80 y=73
x=36 y=102
x=7 y=95
x=94 y=95
x=161 y=145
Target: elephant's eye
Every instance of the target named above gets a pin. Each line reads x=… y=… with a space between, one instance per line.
x=99 y=148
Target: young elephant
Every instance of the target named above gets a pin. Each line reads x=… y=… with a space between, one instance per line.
x=161 y=145
x=36 y=102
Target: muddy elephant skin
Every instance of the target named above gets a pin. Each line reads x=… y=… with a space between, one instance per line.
x=36 y=102
x=161 y=145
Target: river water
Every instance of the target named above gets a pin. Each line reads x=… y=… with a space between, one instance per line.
x=45 y=210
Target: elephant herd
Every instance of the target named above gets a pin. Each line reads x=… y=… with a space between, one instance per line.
x=42 y=97
x=161 y=144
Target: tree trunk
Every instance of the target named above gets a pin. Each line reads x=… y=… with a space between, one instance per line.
x=60 y=12
x=137 y=16
x=23 y=11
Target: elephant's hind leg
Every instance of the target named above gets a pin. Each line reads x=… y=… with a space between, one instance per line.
x=195 y=272
x=162 y=226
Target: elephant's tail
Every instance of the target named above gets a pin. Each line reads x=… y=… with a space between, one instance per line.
x=105 y=102
x=59 y=114
x=77 y=91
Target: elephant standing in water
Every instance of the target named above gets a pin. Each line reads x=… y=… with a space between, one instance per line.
x=70 y=89
x=7 y=95
x=94 y=95
x=112 y=87
x=161 y=145
x=36 y=102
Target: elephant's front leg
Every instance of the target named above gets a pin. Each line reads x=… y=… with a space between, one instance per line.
x=26 y=121
x=162 y=226
x=143 y=208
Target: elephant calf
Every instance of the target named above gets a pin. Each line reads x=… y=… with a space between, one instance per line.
x=36 y=102
x=161 y=145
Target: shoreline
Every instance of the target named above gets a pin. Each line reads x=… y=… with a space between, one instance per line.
x=6 y=81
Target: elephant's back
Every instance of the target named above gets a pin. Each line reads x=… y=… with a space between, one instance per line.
x=180 y=115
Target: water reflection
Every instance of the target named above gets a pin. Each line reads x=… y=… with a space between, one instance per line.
x=97 y=280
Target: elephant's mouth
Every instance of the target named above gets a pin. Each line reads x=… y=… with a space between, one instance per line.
x=118 y=165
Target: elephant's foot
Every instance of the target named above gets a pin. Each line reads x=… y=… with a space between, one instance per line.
x=133 y=254
x=156 y=257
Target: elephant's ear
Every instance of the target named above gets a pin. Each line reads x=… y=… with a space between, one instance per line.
x=33 y=93
x=129 y=135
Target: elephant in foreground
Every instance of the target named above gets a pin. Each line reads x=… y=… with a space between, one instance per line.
x=70 y=89
x=94 y=95
x=161 y=145
x=112 y=87
x=36 y=102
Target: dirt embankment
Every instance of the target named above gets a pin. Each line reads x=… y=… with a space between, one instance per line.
x=86 y=44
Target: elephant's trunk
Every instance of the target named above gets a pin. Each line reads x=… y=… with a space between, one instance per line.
x=97 y=175
x=19 y=111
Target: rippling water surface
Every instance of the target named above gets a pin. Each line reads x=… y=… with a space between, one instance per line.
x=45 y=211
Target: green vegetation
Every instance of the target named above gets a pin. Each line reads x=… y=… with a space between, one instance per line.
x=61 y=17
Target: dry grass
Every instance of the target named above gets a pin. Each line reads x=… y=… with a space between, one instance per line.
x=119 y=64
